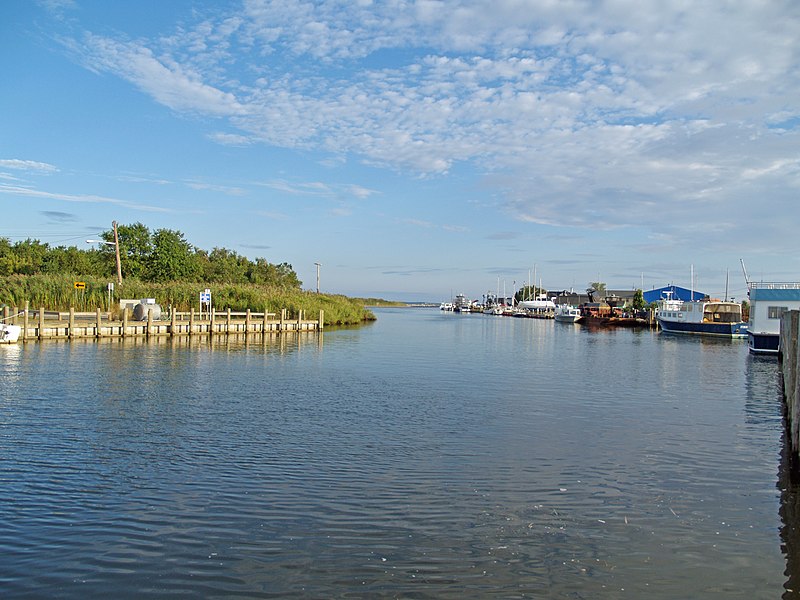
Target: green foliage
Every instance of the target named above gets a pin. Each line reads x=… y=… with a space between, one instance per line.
x=161 y=265
x=638 y=300
x=598 y=286
x=160 y=256
x=57 y=292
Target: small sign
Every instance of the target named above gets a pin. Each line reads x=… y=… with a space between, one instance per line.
x=80 y=285
x=205 y=298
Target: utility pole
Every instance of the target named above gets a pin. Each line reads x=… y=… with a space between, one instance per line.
x=116 y=248
x=318 y=266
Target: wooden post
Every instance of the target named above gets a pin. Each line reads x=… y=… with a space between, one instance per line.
x=41 y=323
x=71 y=325
x=124 y=321
x=149 y=321
x=172 y=324
x=228 y=322
x=6 y=313
x=16 y=319
x=211 y=324
x=247 y=321
x=97 y=330
x=264 y=326
x=191 y=320
x=283 y=318
x=25 y=321
x=321 y=322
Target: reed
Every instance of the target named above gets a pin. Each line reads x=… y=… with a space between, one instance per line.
x=58 y=292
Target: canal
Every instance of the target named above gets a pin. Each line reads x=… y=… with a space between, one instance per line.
x=427 y=455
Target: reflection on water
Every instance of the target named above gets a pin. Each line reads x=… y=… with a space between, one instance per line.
x=429 y=455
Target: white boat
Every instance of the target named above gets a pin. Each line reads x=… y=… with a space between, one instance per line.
x=768 y=301
x=540 y=304
x=448 y=306
x=568 y=314
x=462 y=304
x=9 y=334
x=701 y=317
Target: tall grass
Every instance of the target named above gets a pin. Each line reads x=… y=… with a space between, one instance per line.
x=58 y=292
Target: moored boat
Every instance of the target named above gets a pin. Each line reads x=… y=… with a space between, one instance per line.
x=9 y=334
x=718 y=318
x=568 y=314
x=768 y=301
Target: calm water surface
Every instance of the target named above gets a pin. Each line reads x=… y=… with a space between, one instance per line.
x=429 y=455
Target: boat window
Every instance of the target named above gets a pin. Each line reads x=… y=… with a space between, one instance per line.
x=775 y=312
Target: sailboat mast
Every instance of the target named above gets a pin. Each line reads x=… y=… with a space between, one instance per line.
x=727 y=272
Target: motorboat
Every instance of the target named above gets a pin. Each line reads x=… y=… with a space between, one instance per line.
x=718 y=318
x=568 y=314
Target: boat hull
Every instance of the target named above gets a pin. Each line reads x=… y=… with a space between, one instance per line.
x=763 y=343
x=727 y=330
x=9 y=334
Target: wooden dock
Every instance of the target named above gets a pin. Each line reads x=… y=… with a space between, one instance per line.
x=42 y=325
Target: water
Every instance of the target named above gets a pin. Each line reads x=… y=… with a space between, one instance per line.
x=428 y=455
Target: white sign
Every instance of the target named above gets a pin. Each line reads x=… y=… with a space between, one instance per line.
x=205 y=298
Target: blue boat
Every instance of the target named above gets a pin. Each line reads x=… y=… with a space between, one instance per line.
x=701 y=317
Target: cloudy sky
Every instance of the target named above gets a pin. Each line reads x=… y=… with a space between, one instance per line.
x=415 y=148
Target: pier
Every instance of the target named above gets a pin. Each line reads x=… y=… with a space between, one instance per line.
x=41 y=324
x=790 y=373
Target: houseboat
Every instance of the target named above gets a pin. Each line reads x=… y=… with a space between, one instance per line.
x=701 y=317
x=768 y=301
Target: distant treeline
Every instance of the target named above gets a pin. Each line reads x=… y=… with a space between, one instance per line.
x=158 y=264
x=153 y=256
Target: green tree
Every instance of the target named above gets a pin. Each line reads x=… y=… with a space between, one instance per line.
x=226 y=266
x=135 y=246
x=171 y=257
x=638 y=300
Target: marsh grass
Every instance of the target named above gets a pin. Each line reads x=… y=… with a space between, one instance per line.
x=58 y=292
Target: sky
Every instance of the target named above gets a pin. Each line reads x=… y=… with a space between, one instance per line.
x=416 y=149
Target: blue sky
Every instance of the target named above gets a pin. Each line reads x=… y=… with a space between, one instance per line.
x=417 y=149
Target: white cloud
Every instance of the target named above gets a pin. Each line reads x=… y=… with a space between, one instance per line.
x=594 y=115
x=27 y=165
x=29 y=192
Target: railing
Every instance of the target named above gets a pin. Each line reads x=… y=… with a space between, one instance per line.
x=764 y=285
x=41 y=324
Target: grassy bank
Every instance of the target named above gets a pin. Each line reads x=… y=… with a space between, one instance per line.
x=57 y=292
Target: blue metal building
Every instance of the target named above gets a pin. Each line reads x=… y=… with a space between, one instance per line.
x=678 y=293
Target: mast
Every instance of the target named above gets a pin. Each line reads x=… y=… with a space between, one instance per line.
x=727 y=272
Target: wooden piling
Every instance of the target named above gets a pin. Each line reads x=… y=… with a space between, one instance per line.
x=25 y=321
x=790 y=374
x=71 y=326
x=191 y=321
x=99 y=323
x=41 y=322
